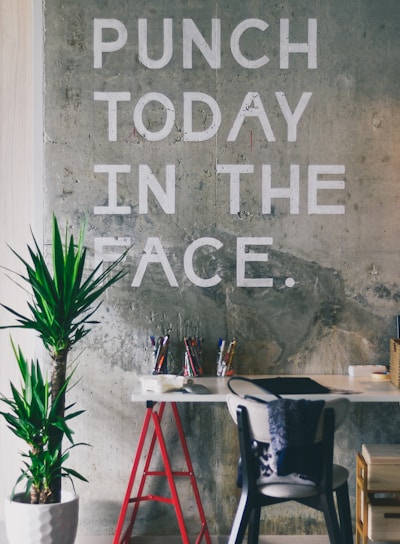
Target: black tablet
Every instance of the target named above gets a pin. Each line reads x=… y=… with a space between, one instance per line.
x=291 y=385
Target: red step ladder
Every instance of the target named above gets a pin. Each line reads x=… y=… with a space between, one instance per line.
x=152 y=415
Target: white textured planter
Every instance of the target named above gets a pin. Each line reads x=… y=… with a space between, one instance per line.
x=42 y=523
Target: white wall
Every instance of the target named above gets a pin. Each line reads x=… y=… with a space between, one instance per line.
x=20 y=165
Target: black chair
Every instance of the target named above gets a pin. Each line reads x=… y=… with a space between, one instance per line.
x=252 y=424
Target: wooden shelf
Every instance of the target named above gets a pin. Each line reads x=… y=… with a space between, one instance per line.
x=377 y=507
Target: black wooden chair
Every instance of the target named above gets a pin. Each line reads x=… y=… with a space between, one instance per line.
x=258 y=491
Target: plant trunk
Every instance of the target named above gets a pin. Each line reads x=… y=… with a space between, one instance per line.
x=58 y=374
x=40 y=496
x=35 y=495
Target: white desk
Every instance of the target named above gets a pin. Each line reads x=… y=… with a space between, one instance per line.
x=357 y=389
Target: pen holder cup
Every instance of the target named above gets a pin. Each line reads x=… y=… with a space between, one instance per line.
x=395 y=361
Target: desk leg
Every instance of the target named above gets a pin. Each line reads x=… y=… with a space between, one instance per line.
x=157 y=435
x=204 y=529
x=127 y=499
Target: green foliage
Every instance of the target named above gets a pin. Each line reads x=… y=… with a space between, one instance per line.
x=63 y=299
x=33 y=419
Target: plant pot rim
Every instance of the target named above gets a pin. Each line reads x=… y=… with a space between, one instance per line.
x=21 y=498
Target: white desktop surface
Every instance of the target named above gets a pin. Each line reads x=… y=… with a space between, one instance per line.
x=356 y=389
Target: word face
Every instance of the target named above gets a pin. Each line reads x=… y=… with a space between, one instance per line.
x=154 y=255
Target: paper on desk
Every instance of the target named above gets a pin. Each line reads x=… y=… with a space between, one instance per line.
x=162 y=383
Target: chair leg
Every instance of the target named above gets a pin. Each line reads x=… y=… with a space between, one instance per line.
x=254 y=525
x=241 y=520
x=343 y=503
x=331 y=520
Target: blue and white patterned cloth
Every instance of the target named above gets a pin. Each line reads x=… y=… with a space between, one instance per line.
x=293 y=425
x=292 y=456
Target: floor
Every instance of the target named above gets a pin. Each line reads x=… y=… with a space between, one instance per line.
x=217 y=540
x=177 y=540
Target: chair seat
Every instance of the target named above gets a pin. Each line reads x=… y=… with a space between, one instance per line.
x=295 y=487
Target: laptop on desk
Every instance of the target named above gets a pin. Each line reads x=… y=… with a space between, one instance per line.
x=291 y=385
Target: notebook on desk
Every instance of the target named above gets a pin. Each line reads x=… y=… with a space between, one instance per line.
x=291 y=385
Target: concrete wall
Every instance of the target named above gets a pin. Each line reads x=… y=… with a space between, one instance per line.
x=198 y=192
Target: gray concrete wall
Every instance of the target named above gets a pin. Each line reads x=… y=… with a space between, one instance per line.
x=196 y=188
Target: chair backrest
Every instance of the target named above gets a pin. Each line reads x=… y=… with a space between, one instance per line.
x=258 y=416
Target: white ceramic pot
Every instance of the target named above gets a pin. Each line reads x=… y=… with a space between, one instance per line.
x=42 y=523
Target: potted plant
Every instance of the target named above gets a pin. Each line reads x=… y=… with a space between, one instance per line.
x=64 y=299
x=33 y=418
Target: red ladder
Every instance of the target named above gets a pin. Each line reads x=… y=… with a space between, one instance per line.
x=156 y=416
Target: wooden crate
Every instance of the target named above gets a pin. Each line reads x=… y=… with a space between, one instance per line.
x=378 y=493
x=395 y=361
x=383 y=462
x=384 y=519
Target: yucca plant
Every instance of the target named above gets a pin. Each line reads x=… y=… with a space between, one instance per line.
x=32 y=417
x=64 y=298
